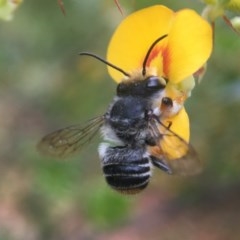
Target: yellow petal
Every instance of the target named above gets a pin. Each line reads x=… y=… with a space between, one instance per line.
x=189 y=45
x=171 y=145
x=180 y=124
x=133 y=37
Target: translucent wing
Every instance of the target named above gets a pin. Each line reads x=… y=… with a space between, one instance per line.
x=69 y=140
x=173 y=153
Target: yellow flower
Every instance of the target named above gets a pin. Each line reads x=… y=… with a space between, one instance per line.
x=176 y=58
x=185 y=49
x=180 y=126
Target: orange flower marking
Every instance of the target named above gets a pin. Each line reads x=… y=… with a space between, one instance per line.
x=166 y=62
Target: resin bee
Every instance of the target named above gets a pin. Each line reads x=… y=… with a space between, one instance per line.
x=135 y=137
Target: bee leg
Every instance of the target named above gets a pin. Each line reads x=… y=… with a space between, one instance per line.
x=161 y=165
x=150 y=141
x=169 y=125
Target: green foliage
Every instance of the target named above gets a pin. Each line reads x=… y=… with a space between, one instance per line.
x=46 y=85
x=104 y=207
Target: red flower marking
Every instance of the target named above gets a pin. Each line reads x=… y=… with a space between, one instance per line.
x=154 y=53
x=166 y=61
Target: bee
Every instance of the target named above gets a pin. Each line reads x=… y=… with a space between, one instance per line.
x=135 y=138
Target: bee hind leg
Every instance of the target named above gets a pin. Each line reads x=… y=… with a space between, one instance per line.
x=161 y=165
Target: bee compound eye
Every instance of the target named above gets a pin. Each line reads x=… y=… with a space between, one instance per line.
x=122 y=88
x=155 y=83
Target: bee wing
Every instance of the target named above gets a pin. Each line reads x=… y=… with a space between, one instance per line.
x=173 y=153
x=66 y=141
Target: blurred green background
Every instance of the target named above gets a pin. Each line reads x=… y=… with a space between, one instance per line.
x=45 y=85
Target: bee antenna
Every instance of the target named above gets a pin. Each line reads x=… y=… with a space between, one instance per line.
x=148 y=53
x=106 y=62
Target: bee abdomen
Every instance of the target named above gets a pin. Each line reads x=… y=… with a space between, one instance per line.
x=123 y=169
x=128 y=179
x=128 y=185
x=126 y=169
